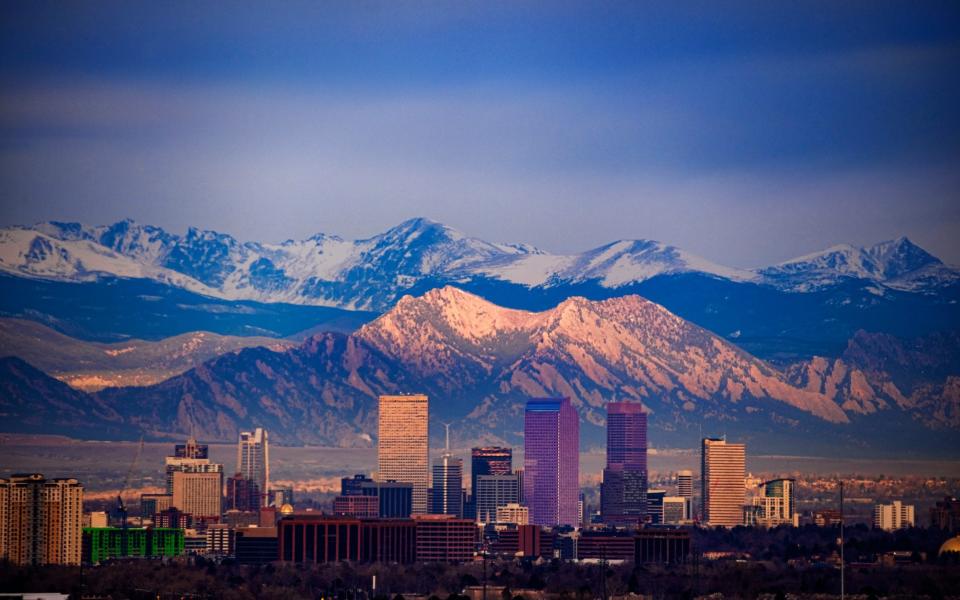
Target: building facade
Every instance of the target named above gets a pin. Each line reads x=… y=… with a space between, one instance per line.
x=893 y=516
x=446 y=495
x=199 y=492
x=395 y=498
x=403 y=444
x=774 y=506
x=493 y=492
x=674 y=510
x=623 y=493
x=657 y=545
x=551 y=467
x=685 y=490
x=445 y=539
x=353 y=486
x=103 y=543
x=723 y=468
x=361 y=507
x=489 y=460
x=513 y=514
x=242 y=494
x=322 y=539
x=253 y=459
x=41 y=520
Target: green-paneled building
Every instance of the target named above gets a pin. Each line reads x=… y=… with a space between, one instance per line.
x=103 y=543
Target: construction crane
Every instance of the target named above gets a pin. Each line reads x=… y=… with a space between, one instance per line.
x=121 y=506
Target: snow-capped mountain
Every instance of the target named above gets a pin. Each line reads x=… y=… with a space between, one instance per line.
x=898 y=264
x=419 y=254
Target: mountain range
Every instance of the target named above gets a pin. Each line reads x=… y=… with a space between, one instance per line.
x=478 y=361
x=65 y=275
x=371 y=274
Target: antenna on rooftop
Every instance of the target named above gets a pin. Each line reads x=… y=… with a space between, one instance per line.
x=447 y=443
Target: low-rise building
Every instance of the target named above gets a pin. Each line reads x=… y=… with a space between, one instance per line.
x=662 y=546
x=104 y=543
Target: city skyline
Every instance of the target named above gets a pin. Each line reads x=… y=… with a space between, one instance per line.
x=525 y=301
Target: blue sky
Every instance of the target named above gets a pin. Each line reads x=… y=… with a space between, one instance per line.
x=747 y=132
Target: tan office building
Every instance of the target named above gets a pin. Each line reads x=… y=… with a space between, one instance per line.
x=403 y=445
x=200 y=492
x=723 y=467
x=41 y=520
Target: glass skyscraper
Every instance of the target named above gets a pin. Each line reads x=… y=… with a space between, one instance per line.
x=491 y=460
x=253 y=458
x=623 y=494
x=551 y=461
x=446 y=496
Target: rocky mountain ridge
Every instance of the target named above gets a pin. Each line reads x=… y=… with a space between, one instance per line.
x=479 y=361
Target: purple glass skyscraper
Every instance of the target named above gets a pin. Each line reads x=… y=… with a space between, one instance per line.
x=551 y=461
x=623 y=493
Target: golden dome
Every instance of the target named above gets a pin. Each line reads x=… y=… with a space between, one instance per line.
x=286 y=509
x=951 y=545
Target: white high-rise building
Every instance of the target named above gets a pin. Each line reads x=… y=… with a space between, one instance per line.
x=723 y=467
x=253 y=459
x=685 y=491
x=403 y=445
x=893 y=516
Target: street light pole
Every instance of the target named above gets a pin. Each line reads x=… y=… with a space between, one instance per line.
x=842 y=590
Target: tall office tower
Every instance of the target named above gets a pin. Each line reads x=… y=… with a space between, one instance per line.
x=253 y=458
x=893 y=516
x=191 y=450
x=722 y=468
x=623 y=493
x=447 y=492
x=551 y=461
x=198 y=491
x=41 y=520
x=493 y=492
x=242 y=494
x=685 y=491
x=403 y=445
x=491 y=460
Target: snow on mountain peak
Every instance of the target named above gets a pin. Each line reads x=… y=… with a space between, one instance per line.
x=419 y=253
x=896 y=263
x=590 y=350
